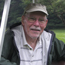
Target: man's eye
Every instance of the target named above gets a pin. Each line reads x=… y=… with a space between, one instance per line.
x=41 y=20
x=32 y=19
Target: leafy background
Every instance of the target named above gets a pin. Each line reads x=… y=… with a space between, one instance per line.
x=56 y=10
x=56 y=17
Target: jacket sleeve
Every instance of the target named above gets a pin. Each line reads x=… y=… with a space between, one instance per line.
x=59 y=50
x=7 y=50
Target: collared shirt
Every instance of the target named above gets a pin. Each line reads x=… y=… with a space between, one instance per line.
x=27 y=55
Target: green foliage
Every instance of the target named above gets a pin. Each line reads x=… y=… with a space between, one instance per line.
x=56 y=10
x=25 y=2
x=1 y=8
x=16 y=11
x=59 y=5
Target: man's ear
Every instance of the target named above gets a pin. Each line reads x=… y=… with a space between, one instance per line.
x=46 y=23
x=22 y=21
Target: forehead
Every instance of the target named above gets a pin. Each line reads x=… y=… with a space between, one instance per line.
x=37 y=13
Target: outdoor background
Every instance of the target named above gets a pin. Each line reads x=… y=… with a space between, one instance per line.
x=56 y=17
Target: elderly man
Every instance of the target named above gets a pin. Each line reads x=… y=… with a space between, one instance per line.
x=29 y=43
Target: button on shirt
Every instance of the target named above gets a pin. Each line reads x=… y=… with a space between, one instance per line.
x=28 y=56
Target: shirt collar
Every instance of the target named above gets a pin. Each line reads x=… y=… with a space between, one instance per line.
x=24 y=38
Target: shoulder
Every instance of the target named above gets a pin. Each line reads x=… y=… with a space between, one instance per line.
x=48 y=34
x=9 y=31
x=49 y=31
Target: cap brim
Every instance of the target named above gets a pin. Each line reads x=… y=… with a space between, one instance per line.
x=33 y=10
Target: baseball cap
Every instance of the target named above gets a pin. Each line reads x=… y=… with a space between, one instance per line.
x=32 y=7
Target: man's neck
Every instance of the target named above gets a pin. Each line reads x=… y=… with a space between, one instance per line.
x=32 y=42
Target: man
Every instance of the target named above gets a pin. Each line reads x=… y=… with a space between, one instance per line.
x=29 y=43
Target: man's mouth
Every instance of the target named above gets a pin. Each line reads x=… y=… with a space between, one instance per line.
x=35 y=29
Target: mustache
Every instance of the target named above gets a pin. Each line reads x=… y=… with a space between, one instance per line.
x=35 y=28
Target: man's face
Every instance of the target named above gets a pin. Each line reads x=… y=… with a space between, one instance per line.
x=34 y=23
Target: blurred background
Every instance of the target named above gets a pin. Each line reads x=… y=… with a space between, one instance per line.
x=56 y=17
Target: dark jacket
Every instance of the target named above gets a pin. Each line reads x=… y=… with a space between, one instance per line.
x=10 y=53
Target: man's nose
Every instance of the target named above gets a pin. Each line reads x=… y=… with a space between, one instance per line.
x=36 y=23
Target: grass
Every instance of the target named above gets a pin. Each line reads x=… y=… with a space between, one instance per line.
x=60 y=34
